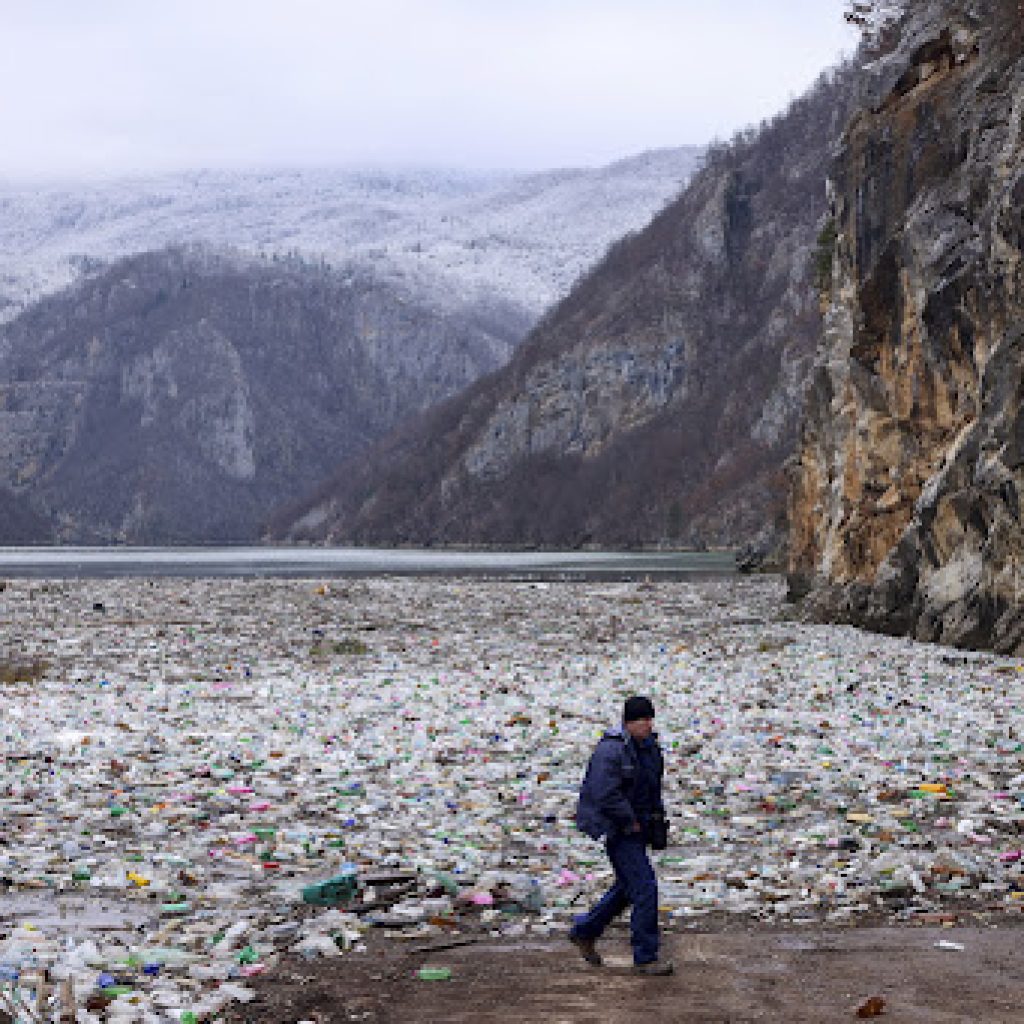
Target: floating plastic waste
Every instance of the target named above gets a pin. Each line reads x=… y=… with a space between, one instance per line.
x=214 y=773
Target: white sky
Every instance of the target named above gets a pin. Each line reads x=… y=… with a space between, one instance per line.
x=115 y=86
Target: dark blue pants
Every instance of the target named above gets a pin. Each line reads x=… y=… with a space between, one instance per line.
x=634 y=883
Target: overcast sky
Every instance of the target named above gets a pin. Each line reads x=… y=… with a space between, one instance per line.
x=113 y=86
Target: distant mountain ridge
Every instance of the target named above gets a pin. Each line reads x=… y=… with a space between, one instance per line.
x=179 y=396
x=525 y=236
x=153 y=391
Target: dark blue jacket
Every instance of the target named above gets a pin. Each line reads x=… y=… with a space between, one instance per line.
x=620 y=786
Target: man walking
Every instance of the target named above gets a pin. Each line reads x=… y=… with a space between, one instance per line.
x=620 y=799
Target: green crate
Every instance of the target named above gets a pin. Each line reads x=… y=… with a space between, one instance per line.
x=339 y=889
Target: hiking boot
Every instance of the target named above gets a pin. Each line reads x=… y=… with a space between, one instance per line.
x=654 y=969
x=587 y=950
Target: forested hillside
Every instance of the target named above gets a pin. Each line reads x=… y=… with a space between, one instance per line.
x=657 y=402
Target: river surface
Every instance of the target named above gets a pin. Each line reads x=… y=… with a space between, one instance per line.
x=79 y=562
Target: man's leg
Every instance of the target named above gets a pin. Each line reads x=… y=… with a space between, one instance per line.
x=592 y=924
x=633 y=868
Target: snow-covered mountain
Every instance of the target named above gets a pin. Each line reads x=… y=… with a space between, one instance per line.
x=524 y=238
x=181 y=354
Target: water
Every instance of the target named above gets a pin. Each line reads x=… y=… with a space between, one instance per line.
x=62 y=562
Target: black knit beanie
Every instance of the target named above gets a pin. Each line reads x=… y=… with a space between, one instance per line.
x=637 y=707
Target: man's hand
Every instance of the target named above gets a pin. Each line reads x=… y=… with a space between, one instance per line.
x=635 y=827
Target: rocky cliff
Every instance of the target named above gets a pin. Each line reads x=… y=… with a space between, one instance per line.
x=905 y=498
x=179 y=396
x=657 y=402
x=21 y=522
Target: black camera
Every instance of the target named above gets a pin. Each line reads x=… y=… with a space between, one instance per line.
x=657 y=831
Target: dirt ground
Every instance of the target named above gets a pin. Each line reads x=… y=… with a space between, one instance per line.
x=810 y=974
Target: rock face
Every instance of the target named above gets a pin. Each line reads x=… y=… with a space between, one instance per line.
x=904 y=505
x=657 y=402
x=180 y=396
x=22 y=523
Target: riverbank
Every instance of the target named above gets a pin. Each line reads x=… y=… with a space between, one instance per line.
x=914 y=975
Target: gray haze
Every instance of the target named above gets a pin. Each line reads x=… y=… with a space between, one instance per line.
x=116 y=86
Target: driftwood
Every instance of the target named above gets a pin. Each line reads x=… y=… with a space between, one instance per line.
x=437 y=947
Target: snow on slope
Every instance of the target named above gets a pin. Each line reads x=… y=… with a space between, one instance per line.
x=523 y=238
